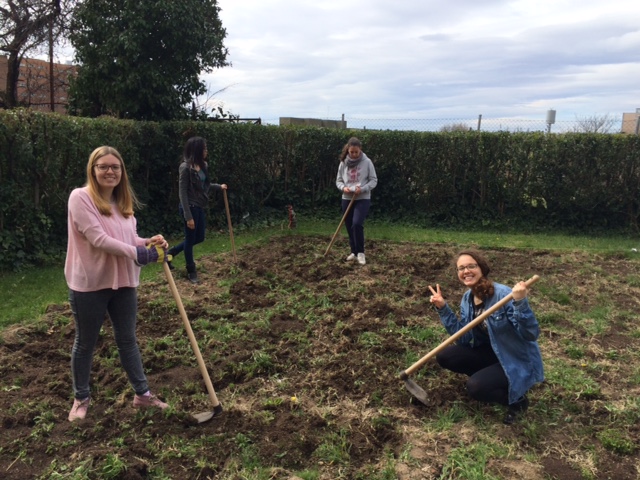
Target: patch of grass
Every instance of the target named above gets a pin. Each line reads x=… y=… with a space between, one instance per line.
x=248 y=453
x=594 y=322
x=571 y=379
x=430 y=335
x=369 y=339
x=617 y=441
x=65 y=471
x=309 y=475
x=574 y=351
x=112 y=467
x=384 y=470
x=334 y=449
x=446 y=418
x=470 y=462
x=28 y=294
x=560 y=295
x=632 y=280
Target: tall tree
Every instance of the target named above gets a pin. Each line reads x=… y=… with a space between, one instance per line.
x=24 y=24
x=143 y=59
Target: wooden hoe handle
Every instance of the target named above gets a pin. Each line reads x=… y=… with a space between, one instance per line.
x=344 y=217
x=226 y=207
x=464 y=330
x=192 y=338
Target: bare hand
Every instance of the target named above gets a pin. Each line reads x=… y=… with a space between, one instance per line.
x=437 y=299
x=520 y=291
x=191 y=224
x=159 y=241
x=223 y=186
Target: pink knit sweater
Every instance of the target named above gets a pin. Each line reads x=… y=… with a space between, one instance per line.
x=101 y=250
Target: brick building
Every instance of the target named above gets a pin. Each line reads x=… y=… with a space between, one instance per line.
x=34 y=89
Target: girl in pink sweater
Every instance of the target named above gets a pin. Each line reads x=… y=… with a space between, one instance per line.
x=102 y=268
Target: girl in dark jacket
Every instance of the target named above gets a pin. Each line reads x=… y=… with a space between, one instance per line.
x=194 y=186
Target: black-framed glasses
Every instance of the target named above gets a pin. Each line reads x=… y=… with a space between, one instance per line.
x=471 y=266
x=105 y=168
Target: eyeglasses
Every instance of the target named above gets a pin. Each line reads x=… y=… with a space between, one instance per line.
x=105 y=168
x=471 y=266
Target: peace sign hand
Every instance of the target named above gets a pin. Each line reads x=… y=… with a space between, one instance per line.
x=437 y=298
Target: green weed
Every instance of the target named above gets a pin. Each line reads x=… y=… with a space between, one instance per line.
x=574 y=380
x=470 y=462
x=617 y=441
x=113 y=467
x=334 y=449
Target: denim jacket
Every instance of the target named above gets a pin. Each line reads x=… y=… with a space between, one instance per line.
x=513 y=332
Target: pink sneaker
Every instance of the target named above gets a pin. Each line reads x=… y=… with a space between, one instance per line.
x=79 y=409
x=148 y=400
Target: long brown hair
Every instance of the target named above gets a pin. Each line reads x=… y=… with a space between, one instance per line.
x=484 y=287
x=353 y=142
x=124 y=195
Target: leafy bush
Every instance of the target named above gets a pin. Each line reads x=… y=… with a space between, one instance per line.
x=525 y=181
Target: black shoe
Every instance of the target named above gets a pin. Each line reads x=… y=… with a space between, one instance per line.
x=171 y=267
x=516 y=410
x=193 y=277
x=192 y=273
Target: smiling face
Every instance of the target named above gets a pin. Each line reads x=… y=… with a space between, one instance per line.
x=108 y=172
x=469 y=273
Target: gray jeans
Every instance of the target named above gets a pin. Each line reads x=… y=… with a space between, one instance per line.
x=89 y=310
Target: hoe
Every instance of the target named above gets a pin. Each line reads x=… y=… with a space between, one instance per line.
x=217 y=407
x=412 y=386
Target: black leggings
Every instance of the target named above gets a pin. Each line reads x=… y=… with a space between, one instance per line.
x=487 y=381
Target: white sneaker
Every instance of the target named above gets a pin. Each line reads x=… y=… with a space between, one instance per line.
x=351 y=257
x=361 y=259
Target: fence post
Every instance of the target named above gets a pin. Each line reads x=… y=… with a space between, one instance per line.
x=638 y=125
x=479 y=121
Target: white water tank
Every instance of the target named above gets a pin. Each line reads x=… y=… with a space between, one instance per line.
x=551 y=117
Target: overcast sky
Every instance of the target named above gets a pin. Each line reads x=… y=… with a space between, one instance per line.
x=407 y=59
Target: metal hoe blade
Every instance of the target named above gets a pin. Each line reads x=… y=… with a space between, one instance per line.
x=416 y=391
x=206 y=416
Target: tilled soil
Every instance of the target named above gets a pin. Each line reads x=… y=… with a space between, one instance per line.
x=304 y=352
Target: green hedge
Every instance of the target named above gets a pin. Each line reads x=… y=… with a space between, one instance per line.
x=527 y=180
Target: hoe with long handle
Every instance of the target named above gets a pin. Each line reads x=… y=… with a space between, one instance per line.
x=226 y=207
x=217 y=407
x=344 y=217
x=412 y=386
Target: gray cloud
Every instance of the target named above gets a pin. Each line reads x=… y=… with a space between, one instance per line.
x=429 y=60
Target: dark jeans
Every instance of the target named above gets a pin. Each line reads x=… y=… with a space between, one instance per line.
x=89 y=310
x=487 y=381
x=355 y=223
x=191 y=237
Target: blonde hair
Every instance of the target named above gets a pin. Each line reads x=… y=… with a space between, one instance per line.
x=124 y=195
